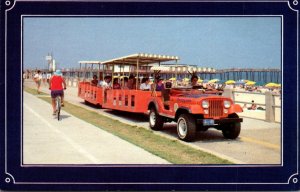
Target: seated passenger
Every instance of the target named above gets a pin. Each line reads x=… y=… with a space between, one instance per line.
x=194 y=83
x=125 y=83
x=106 y=83
x=94 y=82
x=145 y=84
x=159 y=85
x=116 y=84
x=131 y=82
x=194 y=80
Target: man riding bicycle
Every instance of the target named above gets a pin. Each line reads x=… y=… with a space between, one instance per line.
x=57 y=85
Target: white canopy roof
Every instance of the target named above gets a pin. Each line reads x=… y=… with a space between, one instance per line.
x=141 y=58
x=89 y=62
x=160 y=68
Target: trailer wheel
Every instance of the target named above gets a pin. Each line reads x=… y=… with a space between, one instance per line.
x=156 y=121
x=231 y=130
x=186 y=127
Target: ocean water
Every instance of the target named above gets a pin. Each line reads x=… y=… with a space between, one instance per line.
x=259 y=77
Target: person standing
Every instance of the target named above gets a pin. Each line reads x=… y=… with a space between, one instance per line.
x=57 y=85
x=38 y=79
x=44 y=76
x=48 y=77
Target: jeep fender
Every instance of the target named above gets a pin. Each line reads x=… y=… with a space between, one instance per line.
x=152 y=104
x=180 y=111
x=237 y=108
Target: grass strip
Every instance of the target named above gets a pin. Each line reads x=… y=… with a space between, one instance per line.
x=168 y=149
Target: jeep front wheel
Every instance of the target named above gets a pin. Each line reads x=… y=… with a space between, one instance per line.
x=186 y=127
x=156 y=121
x=231 y=130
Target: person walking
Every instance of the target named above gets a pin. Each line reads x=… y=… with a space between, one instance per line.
x=38 y=80
x=44 y=76
x=57 y=85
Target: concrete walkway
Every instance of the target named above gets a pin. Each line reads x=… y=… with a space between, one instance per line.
x=73 y=141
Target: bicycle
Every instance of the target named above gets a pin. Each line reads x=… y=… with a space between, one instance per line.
x=58 y=106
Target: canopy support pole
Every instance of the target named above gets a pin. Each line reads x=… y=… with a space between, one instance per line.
x=137 y=72
x=176 y=71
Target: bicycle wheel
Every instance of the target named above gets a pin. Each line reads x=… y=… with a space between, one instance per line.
x=58 y=106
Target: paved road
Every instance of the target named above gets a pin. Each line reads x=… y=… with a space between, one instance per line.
x=48 y=141
x=259 y=141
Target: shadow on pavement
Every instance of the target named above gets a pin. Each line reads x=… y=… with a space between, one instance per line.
x=91 y=105
x=62 y=117
x=136 y=117
x=208 y=136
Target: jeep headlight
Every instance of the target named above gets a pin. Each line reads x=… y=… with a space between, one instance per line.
x=205 y=104
x=227 y=104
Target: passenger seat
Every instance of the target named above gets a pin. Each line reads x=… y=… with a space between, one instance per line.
x=166 y=94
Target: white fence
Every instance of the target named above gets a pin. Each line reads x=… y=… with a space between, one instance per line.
x=268 y=101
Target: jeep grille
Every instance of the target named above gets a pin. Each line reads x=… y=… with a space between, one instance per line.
x=215 y=108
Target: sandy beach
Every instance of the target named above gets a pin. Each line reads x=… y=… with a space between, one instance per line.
x=259 y=100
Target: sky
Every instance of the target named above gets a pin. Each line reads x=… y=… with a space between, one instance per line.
x=217 y=42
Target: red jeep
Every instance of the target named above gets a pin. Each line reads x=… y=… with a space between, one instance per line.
x=194 y=110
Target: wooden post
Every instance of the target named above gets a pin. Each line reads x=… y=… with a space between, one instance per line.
x=228 y=93
x=270 y=110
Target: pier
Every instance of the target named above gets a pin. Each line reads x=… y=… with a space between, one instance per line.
x=261 y=76
x=258 y=75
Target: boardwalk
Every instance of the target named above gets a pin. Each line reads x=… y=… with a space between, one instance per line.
x=259 y=142
x=73 y=141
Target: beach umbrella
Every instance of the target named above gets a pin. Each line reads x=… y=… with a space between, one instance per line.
x=185 y=79
x=213 y=81
x=200 y=81
x=271 y=84
x=251 y=83
x=172 y=79
x=230 y=82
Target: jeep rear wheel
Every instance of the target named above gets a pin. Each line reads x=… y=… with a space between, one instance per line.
x=156 y=121
x=232 y=130
x=186 y=127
